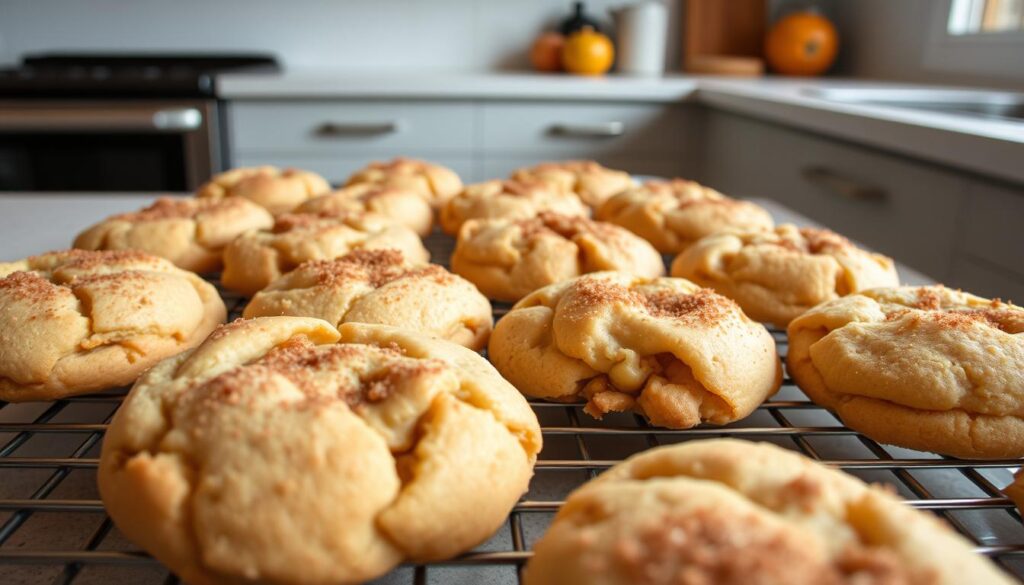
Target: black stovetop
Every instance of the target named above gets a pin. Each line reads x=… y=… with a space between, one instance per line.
x=96 y=75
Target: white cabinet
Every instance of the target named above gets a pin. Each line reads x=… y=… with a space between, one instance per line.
x=353 y=128
x=903 y=208
x=479 y=139
x=337 y=137
x=991 y=255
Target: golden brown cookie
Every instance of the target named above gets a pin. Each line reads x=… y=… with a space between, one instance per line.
x=508 y=260
x=777 y=275
x=191 y=233
x=79 y=321
x=379 y=286
x=255 y=259
x=672 y=215
x=403 y=206
x=665 y=348
x=591 y=181
x=729 y=512
x=279 y=191
x=508 y=200
x=927 y=368
x=280 y=451
x=435 y=183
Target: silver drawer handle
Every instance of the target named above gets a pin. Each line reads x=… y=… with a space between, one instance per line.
x=600 y=130
x=843 y=185
x=332 y=129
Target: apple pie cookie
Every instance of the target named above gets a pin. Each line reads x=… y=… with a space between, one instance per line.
x=435 y=183
x=191 y=233
x=255 y=259
x=379 y=286
x=928 y=368
x=730 y=512
x=403 y=206
x=79 y=321
x=279 y=191
x=283 y=450
x=507 y=260
x=672 y=215
x=509 y=200
x=665 y=348
x=777 y=275
x=586 y=178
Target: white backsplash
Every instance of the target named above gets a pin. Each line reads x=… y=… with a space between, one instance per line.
x=464 y=35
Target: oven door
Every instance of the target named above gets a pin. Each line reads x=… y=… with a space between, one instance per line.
x=107 y=145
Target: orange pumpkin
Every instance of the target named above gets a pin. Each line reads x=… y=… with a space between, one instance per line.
x=546 y=52
x=802 y=43
x=588 y=52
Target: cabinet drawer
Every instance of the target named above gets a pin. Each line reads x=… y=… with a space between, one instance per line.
x=355 y=127
x=567 y=130
x=901 y=208
x=337 y=169
x=987 y=280
x=993 y=225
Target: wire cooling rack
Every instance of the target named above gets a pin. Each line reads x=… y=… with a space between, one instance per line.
x=53 y=528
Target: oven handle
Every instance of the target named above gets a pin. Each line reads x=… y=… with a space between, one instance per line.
x=70 y=120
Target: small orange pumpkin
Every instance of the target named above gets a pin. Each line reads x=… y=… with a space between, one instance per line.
x=802 y=43
x=588 y=52
x=546 y=52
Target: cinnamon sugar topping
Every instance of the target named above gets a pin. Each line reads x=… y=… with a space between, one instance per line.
x=375 y=267
x=29 y=285
x=568 y=227
x=169 y=208
x=708 y=546
x=702 y=306
x=1002 y=319
x=89 y=259
x=928 y=299
x=356 y=374
x=929 y=306
x=83 y=264
x=812 y=241
x=296 y=221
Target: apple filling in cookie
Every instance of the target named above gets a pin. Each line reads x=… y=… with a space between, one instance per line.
x=670 y=397
x=663 y=347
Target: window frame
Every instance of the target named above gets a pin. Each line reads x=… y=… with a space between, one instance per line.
x=998 y=54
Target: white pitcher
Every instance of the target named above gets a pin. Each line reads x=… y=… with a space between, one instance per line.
x=641 y=30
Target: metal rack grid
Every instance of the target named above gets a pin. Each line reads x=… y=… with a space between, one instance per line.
x=53 y=528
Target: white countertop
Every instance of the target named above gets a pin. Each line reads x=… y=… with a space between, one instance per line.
x=987 y=146
x=438 y=85
x=33 y=223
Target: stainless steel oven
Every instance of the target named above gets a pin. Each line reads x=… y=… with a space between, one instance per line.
x=108 y=145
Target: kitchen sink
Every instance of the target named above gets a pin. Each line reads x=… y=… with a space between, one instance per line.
x=989 y=104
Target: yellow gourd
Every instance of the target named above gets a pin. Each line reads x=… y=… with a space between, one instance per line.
x=588 y=52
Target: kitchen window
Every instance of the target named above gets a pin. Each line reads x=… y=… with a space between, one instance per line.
x=971 y=17
x=980 y=37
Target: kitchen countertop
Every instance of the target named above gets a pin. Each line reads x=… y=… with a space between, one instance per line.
x=33 y=223
x=987 y=146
